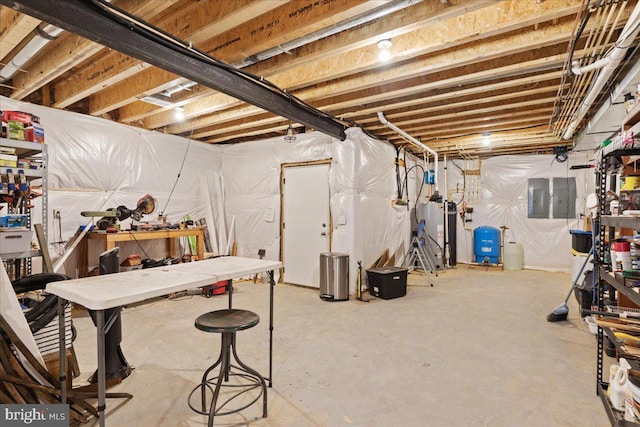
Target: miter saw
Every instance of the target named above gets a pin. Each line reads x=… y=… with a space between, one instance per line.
x=109 y=218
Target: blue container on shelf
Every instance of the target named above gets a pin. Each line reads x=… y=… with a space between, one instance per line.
x=486 y=244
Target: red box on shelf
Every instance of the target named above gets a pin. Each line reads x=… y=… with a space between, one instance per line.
x=17 y=116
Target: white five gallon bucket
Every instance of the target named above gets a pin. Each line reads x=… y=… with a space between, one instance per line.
x=513 y=256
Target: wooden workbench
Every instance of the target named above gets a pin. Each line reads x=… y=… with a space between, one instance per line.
x=110 y=240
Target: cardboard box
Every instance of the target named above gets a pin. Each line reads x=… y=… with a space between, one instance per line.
x=13 y=220
x=8 y=160
x=387 y=282
x=15 y=130
x=18 y=116
x=38 y=134
x=15 y=241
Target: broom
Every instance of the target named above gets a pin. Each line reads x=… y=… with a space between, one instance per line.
x=560 y=313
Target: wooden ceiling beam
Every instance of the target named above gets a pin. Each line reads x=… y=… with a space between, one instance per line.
x=465 y=30
x=514 y=84
x=290 y=20
x=422 y=14
x=480 y=118
x=70 y=50
x=464 y=126
x=198 y=123
x=499 y=107
x=518 y=124
x=511 y=44
x=248 y=121
x=402 y=21
x=14 y=27
x=104 y=26
x=386 y=94
x=192 y=23
x=468 y=106
x=436 y=63
x=479 y=104
x=531 y=135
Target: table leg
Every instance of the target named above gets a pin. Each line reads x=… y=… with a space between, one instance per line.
x=63 y=354
x=171 y=247
x=230 y=290
x=83 y=257
x=272 y=285
x=101 y=366
x=200 y=245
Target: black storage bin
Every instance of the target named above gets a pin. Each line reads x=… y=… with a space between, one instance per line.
x=387 y=282
x=580 y=241
x=584 y=292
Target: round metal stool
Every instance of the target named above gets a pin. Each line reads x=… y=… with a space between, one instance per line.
x=228 y=322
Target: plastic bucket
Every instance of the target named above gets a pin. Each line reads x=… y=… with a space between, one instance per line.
x=623 y=256
x=513 y=256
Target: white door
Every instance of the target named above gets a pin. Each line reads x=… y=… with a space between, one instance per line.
x=306 y=222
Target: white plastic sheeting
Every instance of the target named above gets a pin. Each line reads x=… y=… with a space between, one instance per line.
x=504 y=200
x=362 y=185
x=95 y=164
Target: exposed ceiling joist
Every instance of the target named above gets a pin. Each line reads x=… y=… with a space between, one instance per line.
x=91 y=23
x=454 y=68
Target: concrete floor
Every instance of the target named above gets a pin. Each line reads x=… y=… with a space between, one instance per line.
x=475 y=350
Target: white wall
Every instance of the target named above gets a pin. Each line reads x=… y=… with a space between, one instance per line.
x=361 y=181
x=96 y=164
x=504 y=201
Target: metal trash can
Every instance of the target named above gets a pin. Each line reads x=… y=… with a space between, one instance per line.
x=334 y=276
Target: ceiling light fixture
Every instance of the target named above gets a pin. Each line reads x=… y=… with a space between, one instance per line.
x=384 y=53
x=290 y=135
x=486 y=138
x=384 y=44
x=179 y=112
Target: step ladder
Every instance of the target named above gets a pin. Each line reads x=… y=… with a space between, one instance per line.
x=421 y=255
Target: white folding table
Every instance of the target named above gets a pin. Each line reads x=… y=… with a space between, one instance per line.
x=100 y=293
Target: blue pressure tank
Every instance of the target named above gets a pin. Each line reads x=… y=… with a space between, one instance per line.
x=486 y=244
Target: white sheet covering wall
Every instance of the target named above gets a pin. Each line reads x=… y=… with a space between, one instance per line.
x=95 y=164
x=361 y=182
x=504 y=201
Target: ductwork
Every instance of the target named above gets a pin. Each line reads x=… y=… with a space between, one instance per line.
x=607 y=66
x=178 y=88
x=42 y=36
x=415 y=142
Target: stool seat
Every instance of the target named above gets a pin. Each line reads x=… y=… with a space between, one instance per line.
x=238 y=381
x=229 y=320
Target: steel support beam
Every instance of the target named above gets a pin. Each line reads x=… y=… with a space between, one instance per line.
x=82 y=18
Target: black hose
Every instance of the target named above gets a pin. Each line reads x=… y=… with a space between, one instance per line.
x=36 y=282
x=51 y=305
x=41 y=308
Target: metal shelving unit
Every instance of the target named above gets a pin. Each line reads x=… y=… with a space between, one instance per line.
x=615 y=282
x=29 y=151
